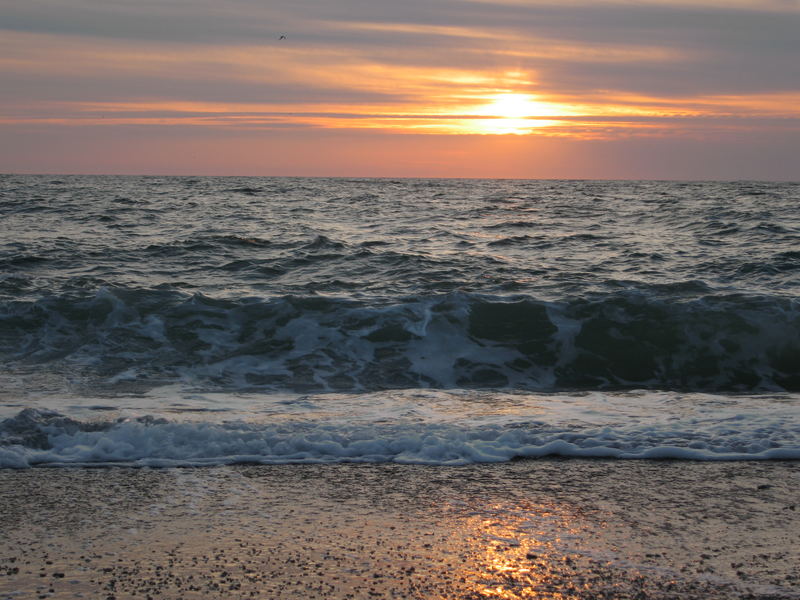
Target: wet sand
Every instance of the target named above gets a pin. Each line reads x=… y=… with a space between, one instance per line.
x=545 y=529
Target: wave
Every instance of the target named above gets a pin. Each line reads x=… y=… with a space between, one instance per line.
x=37 y=437
x=622 y=340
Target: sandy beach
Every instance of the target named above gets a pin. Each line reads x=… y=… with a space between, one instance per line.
x=552 y=529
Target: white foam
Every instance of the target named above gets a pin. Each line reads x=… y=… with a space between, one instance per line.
x=412 y=426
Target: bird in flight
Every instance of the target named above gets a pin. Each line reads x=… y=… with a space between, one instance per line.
x=283 y=37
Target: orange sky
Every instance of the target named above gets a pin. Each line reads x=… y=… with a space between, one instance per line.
x=451 y=88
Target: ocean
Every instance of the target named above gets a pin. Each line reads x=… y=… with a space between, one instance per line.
x=185 y=321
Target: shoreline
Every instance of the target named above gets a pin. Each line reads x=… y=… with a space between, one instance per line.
x=547 y=528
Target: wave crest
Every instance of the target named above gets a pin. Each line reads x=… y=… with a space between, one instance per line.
x=618 y=341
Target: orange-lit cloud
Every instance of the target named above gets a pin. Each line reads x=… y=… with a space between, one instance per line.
x=573 y=70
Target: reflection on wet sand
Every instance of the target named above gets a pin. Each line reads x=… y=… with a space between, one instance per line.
x=538 y=530
x=523 y=551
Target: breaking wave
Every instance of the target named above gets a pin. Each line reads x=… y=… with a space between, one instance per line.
x=625 y=340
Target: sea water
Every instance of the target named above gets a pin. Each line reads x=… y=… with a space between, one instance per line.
x=198 y=320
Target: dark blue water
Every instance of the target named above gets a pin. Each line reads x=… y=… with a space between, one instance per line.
x=118 y=286
x=330 y=284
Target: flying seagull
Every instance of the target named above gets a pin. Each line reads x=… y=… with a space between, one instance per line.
x=283 y=37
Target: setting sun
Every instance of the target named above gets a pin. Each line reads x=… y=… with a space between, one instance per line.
x=516 y=106
x=515 y=114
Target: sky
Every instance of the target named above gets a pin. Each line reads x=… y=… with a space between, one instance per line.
x=629 y=89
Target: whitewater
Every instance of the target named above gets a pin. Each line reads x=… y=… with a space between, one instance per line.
x=189 y=321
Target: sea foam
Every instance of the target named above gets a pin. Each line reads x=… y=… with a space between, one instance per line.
x=431 y=428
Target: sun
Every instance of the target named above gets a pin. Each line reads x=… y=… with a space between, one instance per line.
x=515 y=113
x=512 y=106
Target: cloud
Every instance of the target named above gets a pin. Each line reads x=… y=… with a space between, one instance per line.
x=652 y=47
x=617 y=69
x=192 y=151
